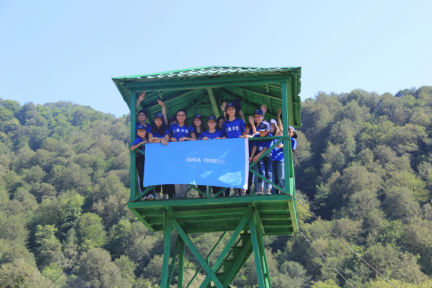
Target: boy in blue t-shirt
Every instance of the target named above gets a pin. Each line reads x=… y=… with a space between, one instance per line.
x=264 y=166
x=140 y=158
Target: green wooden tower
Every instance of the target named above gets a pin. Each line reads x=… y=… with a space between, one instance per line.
x=246 y=219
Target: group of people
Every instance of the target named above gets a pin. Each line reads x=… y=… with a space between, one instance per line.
x=176 y=128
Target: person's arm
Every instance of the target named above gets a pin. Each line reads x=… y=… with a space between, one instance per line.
x=279 y=119
x=151 y=139
x=133 y=147
x=241 y=115
x=223 y=109
x=140 y=98
x=264 y=109
x=163 y=111
x=252 y=123
x=254 y=148
x=255 y=159
x=192 y=138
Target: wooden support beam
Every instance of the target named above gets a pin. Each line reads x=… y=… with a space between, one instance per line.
x=167 y=248
x=133 y=181
x=173 y=261
x=228 y=246
x=181 y=264
x=147 y=225
x=256 y=251
x=213 y=102
x=260 y=93
x=238 y=263
x=196 y=253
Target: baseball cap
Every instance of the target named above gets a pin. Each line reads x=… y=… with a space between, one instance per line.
x=172 y=118
x=264 y=126
x=237 y=104
x=141 y=127
x=291 y=128
x=159 y=115
x=211 y=117
x=230 y=105
x=197 y=116
x=273 y=121
x=259 y=112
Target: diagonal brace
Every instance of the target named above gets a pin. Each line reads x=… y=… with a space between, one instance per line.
x=196 y=253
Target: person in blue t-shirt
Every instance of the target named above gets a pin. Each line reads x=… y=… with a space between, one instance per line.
x=198 y=126
x=212 y=132
x=233 y=127
x=158 y=133
x=265 y=165
x=140 y=158
x=180 y=131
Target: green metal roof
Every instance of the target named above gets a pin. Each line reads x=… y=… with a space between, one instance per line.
x=197 y=100
x=210 y=71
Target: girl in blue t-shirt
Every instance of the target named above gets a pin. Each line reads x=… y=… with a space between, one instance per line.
x=234 y=128
x=198 y=126
x=180 y=131
x=158 y=133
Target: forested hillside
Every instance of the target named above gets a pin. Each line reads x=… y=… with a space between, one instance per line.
x=363 y=165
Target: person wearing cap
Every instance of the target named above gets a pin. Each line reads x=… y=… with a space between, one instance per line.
x=140 y=158
x=212 y=132
x=237 y=105
x=158 y=133
x=264 y=166
x=198 y=126
x=233 y=127
x=291 y=130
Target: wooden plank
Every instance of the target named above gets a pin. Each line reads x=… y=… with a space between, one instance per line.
x=217 y=218
x=208 y=224
x=210 y=212
x=293 y=216
x=213 y=102
x=210 y=230
x=203 y=202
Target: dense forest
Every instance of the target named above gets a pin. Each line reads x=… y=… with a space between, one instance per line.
x=363 y=165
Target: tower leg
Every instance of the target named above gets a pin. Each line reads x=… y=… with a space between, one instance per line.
x=257 y=254
x=181 y=264
x=166 y=255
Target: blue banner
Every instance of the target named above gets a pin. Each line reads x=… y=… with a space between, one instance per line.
x=222 y=163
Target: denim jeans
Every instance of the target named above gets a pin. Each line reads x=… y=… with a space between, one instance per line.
x=181 y=190
x=279 y=175
x=265 y=167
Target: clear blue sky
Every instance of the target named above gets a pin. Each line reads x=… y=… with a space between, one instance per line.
x=69 y=50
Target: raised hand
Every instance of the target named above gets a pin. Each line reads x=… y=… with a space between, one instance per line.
x=161 y=103
x=264 y=108
x=251 y=120
x=223 y=106
x=279 y=111
x=141 y=97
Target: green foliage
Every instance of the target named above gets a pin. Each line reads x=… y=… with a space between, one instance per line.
x=363 y=165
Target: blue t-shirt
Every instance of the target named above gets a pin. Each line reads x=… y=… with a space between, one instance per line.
x=209 y=135
x=233 y=129
x=179 y=132
x=142 y=148
x=263 y=144
x=146 y=126
x=278 y=153
x=157 y=135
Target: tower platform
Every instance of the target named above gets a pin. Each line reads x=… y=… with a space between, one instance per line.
x=201 y=215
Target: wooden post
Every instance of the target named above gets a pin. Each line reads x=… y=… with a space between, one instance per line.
x=167 y=248
x=133 y=180
x=181 y=264
x=256 y=250
x=286 y=141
